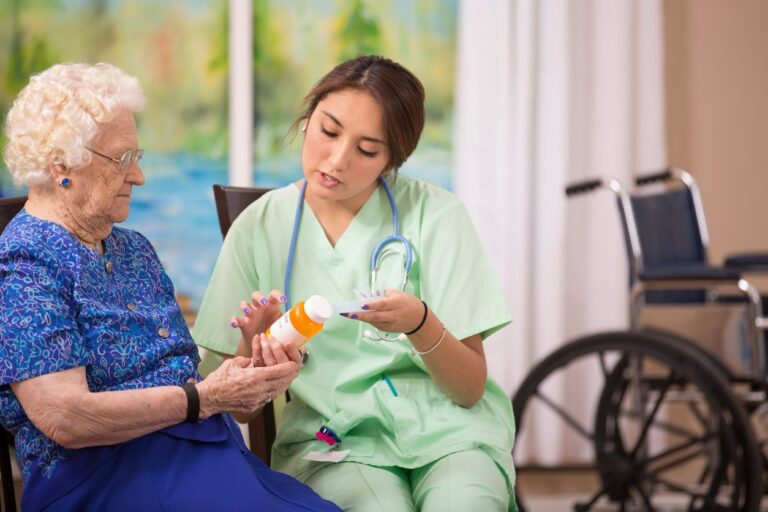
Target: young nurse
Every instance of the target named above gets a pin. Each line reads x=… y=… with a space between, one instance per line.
x=414 y=420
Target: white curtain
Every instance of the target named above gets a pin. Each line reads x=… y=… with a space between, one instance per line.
x=550 y=91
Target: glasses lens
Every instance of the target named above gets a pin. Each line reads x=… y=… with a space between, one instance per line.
x=125 y=161
x=129 y=156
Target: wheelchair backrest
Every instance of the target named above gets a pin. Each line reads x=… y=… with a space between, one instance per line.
x=668 y=228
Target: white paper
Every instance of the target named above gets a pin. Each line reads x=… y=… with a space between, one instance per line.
x=350 y=306
x=331 y=456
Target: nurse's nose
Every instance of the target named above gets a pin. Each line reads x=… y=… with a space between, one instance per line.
x=340 y=157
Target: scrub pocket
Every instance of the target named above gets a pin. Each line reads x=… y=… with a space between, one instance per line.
x=427 y=422
x=358 y=433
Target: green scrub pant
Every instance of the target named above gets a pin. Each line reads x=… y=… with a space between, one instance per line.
x=459 y=482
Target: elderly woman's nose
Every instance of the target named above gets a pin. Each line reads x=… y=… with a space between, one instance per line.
x=136 y=175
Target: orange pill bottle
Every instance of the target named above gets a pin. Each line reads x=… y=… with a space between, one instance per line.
x=302 y=321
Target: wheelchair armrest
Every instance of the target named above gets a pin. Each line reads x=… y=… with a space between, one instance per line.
x=748 y=262
x=692 y=273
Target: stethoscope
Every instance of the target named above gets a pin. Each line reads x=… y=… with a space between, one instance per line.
x=395 y=237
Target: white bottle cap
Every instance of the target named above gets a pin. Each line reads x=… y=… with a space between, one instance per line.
x=318 y=308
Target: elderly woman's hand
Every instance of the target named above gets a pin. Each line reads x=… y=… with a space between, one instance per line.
x=258 y=314
x=238 y=387
x=267 y=351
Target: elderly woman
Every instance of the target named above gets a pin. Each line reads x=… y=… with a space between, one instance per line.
x=98 y=378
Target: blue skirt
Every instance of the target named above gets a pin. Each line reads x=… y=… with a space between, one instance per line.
x=203 y=466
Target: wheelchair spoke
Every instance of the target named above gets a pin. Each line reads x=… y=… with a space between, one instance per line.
x=663 y=425
x=706 y=500
x=681 y=489
x=594 y=498
x=697 y=413
x=652 y=415
x=566 y=417
x=677 y=449
x=706 y=470
x=644 y=496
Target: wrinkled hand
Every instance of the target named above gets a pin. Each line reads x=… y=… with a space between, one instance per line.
x=258 y=314
x=398 y=312
x=267 y=351
x=238 y=387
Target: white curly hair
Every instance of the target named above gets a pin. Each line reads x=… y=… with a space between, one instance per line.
x=59 y=112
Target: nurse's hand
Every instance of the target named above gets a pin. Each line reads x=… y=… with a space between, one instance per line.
x=398 y=312
x=267 y=351
x=258 y=314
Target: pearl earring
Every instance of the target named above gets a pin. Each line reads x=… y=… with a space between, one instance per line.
x=304 y=126
x=65 y=182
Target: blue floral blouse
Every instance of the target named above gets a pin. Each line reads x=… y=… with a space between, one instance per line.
x=62 y=305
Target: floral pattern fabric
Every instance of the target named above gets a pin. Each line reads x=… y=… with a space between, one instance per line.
x=62 y=306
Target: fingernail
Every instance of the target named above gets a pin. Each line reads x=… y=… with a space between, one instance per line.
x=283 y=298
x=246 y=310
x=353 y=316
x=366 y=306
x=264 y=302
x=233 y=324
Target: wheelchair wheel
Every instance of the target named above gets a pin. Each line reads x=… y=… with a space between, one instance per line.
x=662 y=430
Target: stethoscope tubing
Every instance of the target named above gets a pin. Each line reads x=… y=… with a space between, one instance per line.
x=394 y=237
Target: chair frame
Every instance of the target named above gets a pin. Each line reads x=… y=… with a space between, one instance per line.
x=9 y=207
x=6 y=472
x=230 y=202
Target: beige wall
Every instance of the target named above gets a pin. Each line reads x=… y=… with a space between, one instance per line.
x=716 y=74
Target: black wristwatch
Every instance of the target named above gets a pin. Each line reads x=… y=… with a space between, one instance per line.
x=193 y=401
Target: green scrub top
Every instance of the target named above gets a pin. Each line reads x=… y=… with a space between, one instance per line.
x=342 y=385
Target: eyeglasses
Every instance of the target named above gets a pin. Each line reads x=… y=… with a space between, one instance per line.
x=133 y=155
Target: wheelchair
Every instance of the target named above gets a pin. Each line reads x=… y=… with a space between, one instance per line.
x=670 y=423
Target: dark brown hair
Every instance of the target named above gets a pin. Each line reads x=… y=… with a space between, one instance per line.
x=397 y=91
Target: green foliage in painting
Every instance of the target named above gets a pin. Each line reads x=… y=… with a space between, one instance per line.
x=172 y=47
x=297 y=41
x=28 y=52
x=357 y=31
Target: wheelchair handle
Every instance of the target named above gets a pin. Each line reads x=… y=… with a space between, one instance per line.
x=582 y=187
x=653 y=178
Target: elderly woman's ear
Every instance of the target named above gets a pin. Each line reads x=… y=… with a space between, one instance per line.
x=59 y=172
